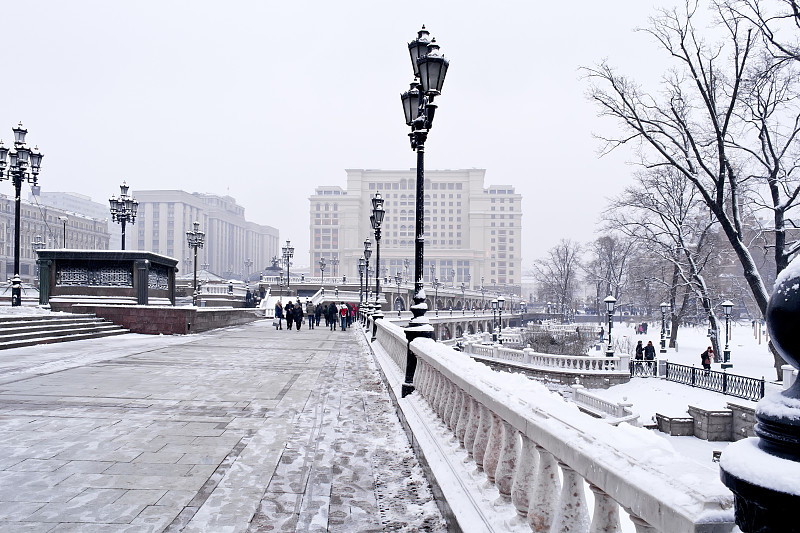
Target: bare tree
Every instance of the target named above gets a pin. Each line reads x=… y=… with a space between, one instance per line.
x=716 y=122
x=557 y=273
x=663 y=213
x=608 y=267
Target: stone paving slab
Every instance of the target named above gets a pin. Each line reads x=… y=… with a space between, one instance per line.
x=246 y=429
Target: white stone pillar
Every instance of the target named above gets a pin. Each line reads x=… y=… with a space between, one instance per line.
x=544 y=496
x=472 y=426
x=507 y=463
x=482 y=436
x=573 y=516
x=524 y=476
x=605 y=518
x=463 y=418
x=493 y=447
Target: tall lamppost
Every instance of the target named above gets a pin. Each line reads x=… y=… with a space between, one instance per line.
x=21 y=158
x=727 y=306
x=463 y=298
x=376 y=219
x=322 y=270
x=335 y=265
x=367 y=255
x=430 y=68
x=493 y=305
x=248 y=264
x=280 y=284
x=123 y=209
x=37 y=244
x=362 y=265
x=406 y=265
x=64 y=219
x=288 y=253
x=500 y=303
x=664 y=309
x=436 y=295
x=610 y=301
x=195 y=238
x=398 y=279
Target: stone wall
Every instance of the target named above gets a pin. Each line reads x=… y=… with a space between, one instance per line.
x=154 y=320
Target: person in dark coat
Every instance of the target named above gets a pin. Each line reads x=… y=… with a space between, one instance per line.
x=706 y=356
x=650 y=354
x=289 y=312
x=639 y=350
x=298 y=314
x=332 y=312
x=279 y=315
x=317 y=313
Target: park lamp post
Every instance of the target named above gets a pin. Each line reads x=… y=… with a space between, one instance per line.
x=436 y=295
x=280 y=284
x=463 y=298
x=430 y=68
x=610 y=301
x=196 y=239
x=493 y=305
x=322 y=269
x=335 y=265
x=376 y=219
x=398 y=278
x=727 y=306
x=367 y=255
x=20 y=159
x=288 y=253
x=483 y=293
x=63 y=219
x=664 y=310
x=362 y=266
x=123 y=209
x=500 y=303
x=37 y=244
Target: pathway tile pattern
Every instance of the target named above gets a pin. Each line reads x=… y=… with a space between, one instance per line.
x=246 y=429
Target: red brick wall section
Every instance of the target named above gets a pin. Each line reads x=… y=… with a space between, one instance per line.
x=168 y=320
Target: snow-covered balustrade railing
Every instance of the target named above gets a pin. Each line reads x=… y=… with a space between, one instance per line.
x=612 y=412
x=511 y=337
x=521 y=435
x=570 y=363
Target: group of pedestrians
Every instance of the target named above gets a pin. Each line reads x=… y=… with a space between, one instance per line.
x=342 y=314
x=645 y=353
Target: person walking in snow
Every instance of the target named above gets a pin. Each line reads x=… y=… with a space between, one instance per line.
x=298 y=314
x=705 y=358
x=279 y=315
x=332 y=312
x=650 y=355
x=310 y=314
x=289 y=312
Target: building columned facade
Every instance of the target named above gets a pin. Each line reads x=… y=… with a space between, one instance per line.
x=472 y=231
x=231 y=242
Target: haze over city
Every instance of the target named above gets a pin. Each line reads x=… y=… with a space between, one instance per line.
x=265 y=101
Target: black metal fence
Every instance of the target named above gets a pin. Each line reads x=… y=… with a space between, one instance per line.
x=730 y=384
x=641 y=368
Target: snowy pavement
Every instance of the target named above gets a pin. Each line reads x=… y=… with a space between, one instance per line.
x=245 y=429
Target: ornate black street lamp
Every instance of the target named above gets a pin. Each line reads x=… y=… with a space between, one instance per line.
x=367 y=255
x=123 y=209
x=398 y=279
x=64 y=219
x=335 y=264
x=493 y=305
x=727 y=306
x=322 y=270
x=500 y=303
x=20 y=159
x=430 y=68
x=664 y=309
x=483 y=295
x=288 y=253
x=196 y=239
x=610 y=301
x=37 y=244
x=463 y=298
x=436 y=295
x=376 y=219
x=280 y=284
x=362 y=266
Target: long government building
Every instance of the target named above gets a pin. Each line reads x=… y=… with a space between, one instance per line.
x=472 y=231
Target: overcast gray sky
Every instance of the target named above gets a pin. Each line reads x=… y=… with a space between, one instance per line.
x=265 y=100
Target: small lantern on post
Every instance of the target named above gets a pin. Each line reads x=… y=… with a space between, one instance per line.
x=610 y=302
x=664 y=310
x=727 y=306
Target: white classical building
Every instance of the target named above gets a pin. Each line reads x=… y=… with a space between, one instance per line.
x=231 y=242
x=472 y=231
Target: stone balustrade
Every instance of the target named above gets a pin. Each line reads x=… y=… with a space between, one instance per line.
x=616 y=364
x=538 y=451
x=616 y=411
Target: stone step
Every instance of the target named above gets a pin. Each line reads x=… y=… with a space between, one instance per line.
x=5 y=345
x=56 y=331
x=10 y=328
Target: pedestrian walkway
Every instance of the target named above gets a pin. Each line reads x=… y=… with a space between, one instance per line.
x=246 y=429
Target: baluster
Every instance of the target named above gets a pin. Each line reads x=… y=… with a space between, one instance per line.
x=436 y=390
x=463 y=419
x=456 y=412
x=606 y=513
x=472 y=426
x=482 y=436
x=507 y=462
x=493 y=447
x=421 y=377
x=572 y=512
x=544 y=496
x=524 y=476
x=440 y=394
x=447 y=401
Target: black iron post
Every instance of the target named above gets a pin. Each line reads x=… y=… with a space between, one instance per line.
x=123 y=209
x=398 y=279
x=64 y=219
x=322 y=270
x=376 y=219
x=195 y=239
x=664 y=309
x=727 y=306
x=21 y=159
x=610 y=301
x=463 y=298
x=288 y=253
x=362 y=264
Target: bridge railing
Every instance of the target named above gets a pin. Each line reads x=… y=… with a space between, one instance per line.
x=521 y=436
x=578 y=363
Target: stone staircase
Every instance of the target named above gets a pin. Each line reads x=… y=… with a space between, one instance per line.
x=18 y=331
